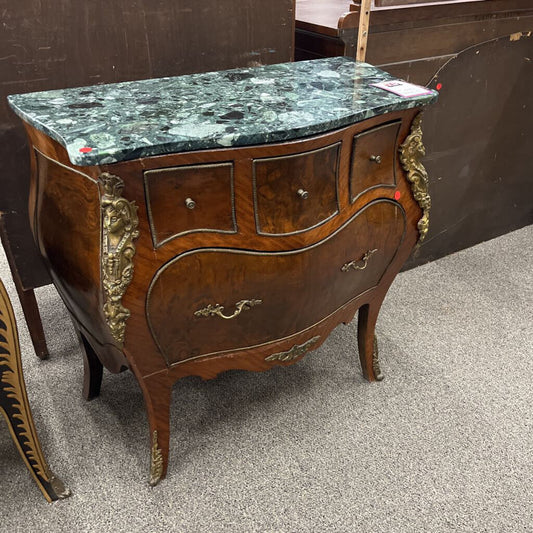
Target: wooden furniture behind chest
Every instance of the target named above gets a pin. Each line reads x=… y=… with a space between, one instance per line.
x=478 y=54
x=410 y=39
x=245 y=257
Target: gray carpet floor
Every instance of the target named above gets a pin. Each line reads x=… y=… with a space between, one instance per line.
x=444 y=443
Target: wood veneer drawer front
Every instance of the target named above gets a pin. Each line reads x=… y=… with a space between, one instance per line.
x=271 y=295
x=296 y=192
x=373 y=159
x=190 y=198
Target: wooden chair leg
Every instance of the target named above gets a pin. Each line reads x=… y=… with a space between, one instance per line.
x=25 y=294
x=157 y=391
x=14 y=405
x=33 y=320
x=367 y=341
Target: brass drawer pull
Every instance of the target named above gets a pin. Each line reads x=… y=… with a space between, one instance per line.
x=376 y=159
x=303 y=194
x=190 y=203
x=218 y=310
x=360 y=264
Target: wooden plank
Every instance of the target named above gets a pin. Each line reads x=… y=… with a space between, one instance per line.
x=362 y=34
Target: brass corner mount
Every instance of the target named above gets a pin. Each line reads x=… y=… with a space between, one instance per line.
x=119 y=230
x=411 y=153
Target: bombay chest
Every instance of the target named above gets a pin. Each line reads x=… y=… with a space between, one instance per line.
x=227 y=220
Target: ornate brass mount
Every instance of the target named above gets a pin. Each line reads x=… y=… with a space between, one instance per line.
x=294 y=352
x=359 y=264
x=119 y=230
x=14 y=405
x=218 y=310
x=411 y=153
x=156 y=466
x=375 y=361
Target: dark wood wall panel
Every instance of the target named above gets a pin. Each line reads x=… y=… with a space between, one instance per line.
x=64 y=43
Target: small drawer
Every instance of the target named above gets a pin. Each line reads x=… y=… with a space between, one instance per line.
x=296 y=192
x=190 y=198
x=373 y=159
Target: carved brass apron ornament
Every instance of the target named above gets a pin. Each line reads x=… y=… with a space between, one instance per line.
x=119 y=229
x=294 y=352
x=15 y=407
x=411 y=153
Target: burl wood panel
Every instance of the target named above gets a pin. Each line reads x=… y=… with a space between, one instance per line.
x=68 y=229
x=297 y=192
x=190 y=198
x=296 y=289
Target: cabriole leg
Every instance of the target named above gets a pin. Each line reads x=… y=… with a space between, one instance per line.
x=157 y=391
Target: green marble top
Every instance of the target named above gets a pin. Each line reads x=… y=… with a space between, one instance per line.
x=105 y=124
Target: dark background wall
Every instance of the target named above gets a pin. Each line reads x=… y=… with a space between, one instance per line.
x=49 y=44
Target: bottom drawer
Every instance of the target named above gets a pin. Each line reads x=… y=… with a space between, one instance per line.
x=212 y=300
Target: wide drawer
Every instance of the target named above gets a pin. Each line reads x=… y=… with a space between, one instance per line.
x=212 y=300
